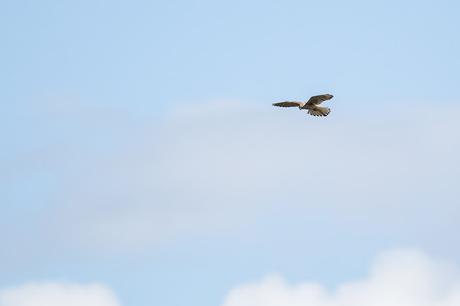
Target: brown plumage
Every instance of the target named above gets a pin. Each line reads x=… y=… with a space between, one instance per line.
x=311 y=105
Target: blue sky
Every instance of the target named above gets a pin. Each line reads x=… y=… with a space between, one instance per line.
x=140 y=149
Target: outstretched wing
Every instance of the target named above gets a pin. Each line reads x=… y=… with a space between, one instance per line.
x=319 y=111
x=288 y=104
x=315 y=100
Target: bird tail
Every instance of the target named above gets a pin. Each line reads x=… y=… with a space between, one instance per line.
x=319 y=111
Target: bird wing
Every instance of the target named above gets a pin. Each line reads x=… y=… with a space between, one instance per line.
x=319 y=111
x=315 y=100
x=289 y=104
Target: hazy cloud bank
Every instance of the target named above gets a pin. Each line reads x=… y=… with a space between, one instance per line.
x=118 y=181
x=214 y=168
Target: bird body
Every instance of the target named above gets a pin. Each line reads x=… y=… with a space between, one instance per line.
x=312 y=105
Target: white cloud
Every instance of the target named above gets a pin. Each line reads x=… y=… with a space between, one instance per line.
x=58 y=294
x=397 y=278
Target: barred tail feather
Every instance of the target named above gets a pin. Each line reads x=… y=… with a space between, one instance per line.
x=319 y=111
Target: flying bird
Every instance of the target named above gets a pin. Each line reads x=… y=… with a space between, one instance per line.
x=312 y=105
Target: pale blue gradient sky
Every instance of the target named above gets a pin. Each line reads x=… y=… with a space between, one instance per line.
x=97 y=118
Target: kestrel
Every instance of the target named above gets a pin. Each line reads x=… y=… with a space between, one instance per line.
x=311 y=105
